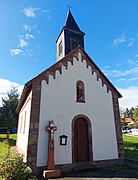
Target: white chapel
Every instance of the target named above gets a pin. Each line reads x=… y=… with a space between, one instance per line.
x=79 y=99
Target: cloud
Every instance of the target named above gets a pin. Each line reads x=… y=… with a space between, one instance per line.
x=28 y=52
x=119 y=73
x=5 y=86
x=127 y=79
x=133 y=79
x=106 y=67
x=14 y=52
x=27 y=27
x=22 y=43
x=120 y=40
x=123 y=38
x=136 y=55
x=131 y=42
x=30 y=12
x=130 y=97
x=133 y=62
x=121 y=80
x=29 y=36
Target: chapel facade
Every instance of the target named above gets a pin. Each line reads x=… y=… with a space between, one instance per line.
x=80 y=100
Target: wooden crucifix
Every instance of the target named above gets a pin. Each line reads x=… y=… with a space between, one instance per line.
x=50 y=129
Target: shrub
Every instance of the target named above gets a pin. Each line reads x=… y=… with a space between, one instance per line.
x=14 y=168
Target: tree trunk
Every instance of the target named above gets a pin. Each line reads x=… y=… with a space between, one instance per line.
x=8 y=134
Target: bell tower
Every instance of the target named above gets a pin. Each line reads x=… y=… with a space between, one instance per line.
x=70 y=37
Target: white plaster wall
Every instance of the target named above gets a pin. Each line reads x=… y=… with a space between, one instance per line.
x=61 y=38
x=58 y=103
x=22 y=136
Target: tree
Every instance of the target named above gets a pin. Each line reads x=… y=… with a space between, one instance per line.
x=135 y=115
x=8 y=113
x=131 y=113
x=126 y=113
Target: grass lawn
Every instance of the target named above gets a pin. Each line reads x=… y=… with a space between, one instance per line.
x=130 y=143
x=4 y=146
x=131 y=146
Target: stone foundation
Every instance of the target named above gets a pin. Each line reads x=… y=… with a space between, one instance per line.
x=69 y=168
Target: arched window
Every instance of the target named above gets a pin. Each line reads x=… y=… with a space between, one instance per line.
x=80 y=92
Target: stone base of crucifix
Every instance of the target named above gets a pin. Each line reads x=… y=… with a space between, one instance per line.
x=51 y=172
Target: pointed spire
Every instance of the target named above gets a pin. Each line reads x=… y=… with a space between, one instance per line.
x=70 y=37
x=71 y=23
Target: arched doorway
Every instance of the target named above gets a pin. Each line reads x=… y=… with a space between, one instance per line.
x=81 y=139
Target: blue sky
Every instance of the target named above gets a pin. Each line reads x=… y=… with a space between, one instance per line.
x=29 y=29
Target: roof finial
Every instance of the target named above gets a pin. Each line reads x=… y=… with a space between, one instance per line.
x=69 y=6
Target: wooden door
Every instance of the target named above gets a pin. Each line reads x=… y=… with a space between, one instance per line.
x=81 y=146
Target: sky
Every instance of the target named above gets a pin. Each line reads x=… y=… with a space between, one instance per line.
x=29 y=29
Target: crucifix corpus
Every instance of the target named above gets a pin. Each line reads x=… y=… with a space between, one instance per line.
x=51 y=128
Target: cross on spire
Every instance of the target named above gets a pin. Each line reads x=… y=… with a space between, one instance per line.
x=69 y=6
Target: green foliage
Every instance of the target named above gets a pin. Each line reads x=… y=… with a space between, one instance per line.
x=129 y=113
x=11 y=163
x=8 y=115
x=14 y=168
x=126 y=113
x=8 y=109
x=135 y=115
x=131 y=146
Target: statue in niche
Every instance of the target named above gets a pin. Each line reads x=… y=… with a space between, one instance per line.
x=80 y=91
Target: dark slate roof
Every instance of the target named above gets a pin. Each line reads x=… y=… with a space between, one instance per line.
x=58 y=66
x=70 y=24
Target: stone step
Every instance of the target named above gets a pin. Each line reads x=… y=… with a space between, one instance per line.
x=83 y=168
